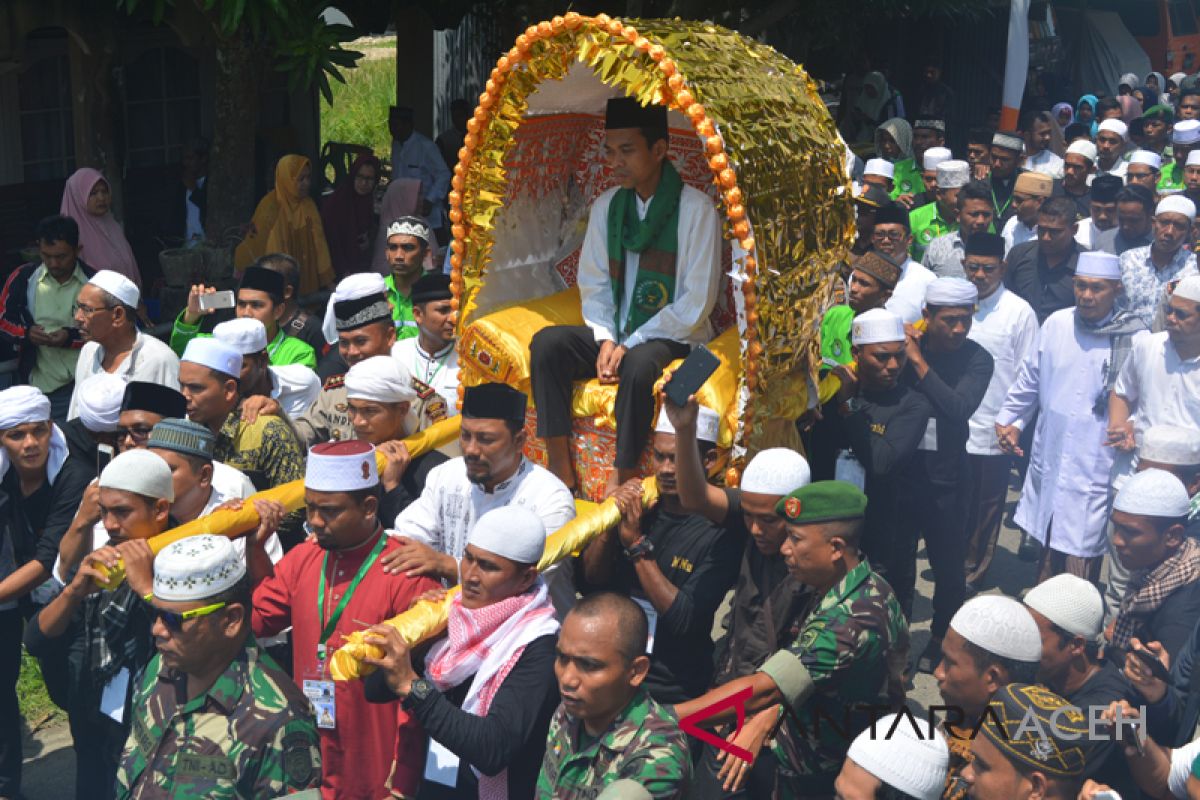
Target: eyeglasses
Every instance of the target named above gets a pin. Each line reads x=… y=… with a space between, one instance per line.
x=987 y=269
x=894 y=236
x=88 y=310
x=174 y=619
x=139 y=433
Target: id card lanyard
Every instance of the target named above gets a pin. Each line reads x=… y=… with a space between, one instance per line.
x=328 y=627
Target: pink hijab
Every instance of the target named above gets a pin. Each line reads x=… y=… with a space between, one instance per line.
x=104 y=243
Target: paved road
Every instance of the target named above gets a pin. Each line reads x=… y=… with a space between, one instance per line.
x=50 y=763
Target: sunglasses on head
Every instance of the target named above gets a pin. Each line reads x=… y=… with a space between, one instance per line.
x=174 y=619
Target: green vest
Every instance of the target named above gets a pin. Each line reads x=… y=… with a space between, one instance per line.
x=835 y=334
x=402 y=313
x=1171 y=178
x=281 y=351
x=927 y=224
x=907 y=178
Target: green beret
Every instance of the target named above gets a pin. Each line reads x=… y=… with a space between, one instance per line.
x=1035 y=728
x=823 y=501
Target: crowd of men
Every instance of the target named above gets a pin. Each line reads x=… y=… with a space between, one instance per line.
x=1049 y=333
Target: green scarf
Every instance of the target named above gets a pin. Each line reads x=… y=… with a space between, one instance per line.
x=655 y=239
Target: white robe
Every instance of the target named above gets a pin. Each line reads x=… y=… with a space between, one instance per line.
x=442 y=517
x=1007 y=327
x=439 y=370
x=1067 y=481
x=697 y=274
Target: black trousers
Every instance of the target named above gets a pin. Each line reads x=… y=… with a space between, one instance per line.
x=562 y=354
x=938 y=513
x=706 y=786
x=11 y=625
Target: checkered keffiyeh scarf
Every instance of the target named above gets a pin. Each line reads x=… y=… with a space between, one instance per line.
x=483 y=645
x=1119 y=330
x=116 y=630
x=1145 y=597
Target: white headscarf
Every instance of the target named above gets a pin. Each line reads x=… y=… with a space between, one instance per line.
x=20 y=405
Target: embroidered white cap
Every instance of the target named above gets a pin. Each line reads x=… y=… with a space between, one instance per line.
x=1071 y=603
x=1082 y=147
x=1172 y=445
x=1153 y=493
x=776 y=471
x=1000 y=625
x=953 y=174
x=352 y=287
x=118 y=286
x=902 y=757
x=197 y=568
x=1176 y=204
x=1186 y=131
x=880 y=166
x=244 y=334
x=934 y=156
x=708 y=423
x=877 y=325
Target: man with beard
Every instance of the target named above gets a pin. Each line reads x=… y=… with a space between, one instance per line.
x=1030 y=192
x=492 y=472
x=766 y=599
x=1112 y=138
x=325 y=588
x=1078 y=166
x=676 y=566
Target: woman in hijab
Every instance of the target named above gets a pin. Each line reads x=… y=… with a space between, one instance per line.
x=1085 y=112
x=1128 y=82
x=1131 y=105
x=402 y=199
x=348 y=215
x=1157 y=82
x=876 y=103
x=1064 y=115
x=893 y=142
x=287 y=221
x=88 y=200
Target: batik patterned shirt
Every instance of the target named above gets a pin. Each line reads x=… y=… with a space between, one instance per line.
x=1146 y=285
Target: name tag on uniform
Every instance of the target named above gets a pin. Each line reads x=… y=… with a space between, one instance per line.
x=929 y=441
x=112 y=700
x=849 y=469
x=321 y=695
x=651 y=618
x=441 y=766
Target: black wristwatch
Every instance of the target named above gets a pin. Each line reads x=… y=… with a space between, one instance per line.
x=642 y=548
x=420 y=689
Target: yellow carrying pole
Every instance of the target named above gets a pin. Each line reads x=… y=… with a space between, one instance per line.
x=426 y=619
x=290 y=495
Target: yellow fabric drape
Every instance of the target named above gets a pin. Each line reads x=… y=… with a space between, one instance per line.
x=427 y=619
x=286 y=222
x=290 y=495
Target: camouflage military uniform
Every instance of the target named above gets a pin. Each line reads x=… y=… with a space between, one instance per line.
x=329 y=418
x=644 y=744
x=851 y=653
x=251 y=735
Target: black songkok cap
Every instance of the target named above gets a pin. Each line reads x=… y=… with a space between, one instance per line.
x=431 y=287
x=155 y=398
x=985 y=244
x=1106 y=187
x=1036 y=729
x=263 y=280
x=625 y=112
x=351 y=314
x=494 y=401
x=893 y=214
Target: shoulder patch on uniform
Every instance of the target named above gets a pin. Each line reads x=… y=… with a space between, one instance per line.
x=424 y=390
x=334 y=381
x=297 y=758
x=435 y=410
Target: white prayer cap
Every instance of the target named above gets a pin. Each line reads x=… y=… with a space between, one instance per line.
x=214 y=354
x=244 y=334
x=140 y=472
x=777 y=471
x=953 y=174
x=1186 y=131
x=1177 y=77
x=381 y=379
x=877 y=325
x=934 y=156
x=903 y=758
x=708 y=423
x=1071 y=603
x=118 y=286
x=1114 y=126
x=1193 y=159
x=1153 y=493
x=951 y=292
x=347 y=466
x=20 y=405
x=512 y=532
x=99 y=401
x=1188 y=288
x=1176 y=204
x=352 y=287
x=880 y=166
x=1097 y=264
x=1082 y=147
x=1147 y=157
x=197 y=568
x=1001 y=626
x=1170 y=444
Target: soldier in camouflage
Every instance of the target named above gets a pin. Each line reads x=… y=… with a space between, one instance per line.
x=213 y=715
x=850 y=653
x=609 y=736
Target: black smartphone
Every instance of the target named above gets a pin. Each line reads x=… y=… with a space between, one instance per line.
x=104 y=454
x=697 y=368
x=1153 y=664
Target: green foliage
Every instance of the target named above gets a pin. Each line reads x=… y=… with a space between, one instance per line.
x=36 y=706
x=303 y=46
x=357 y=112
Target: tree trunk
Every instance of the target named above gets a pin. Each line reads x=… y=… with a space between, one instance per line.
x=231 y=199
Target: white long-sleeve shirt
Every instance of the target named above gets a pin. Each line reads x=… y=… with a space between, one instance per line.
x=1069 y=465
x=908 y=298
x=1045 y=162
x=1007 y=327
x=1016 y=232
x=418 y=157
x=443 y=516
x=697 y=273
